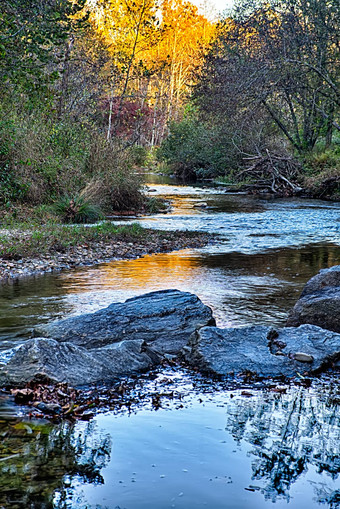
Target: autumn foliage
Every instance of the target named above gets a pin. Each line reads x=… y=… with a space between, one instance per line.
x=153 y=51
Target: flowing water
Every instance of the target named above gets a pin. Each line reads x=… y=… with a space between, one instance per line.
x=220 y=447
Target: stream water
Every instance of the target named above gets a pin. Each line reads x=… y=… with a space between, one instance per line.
x=218 y=447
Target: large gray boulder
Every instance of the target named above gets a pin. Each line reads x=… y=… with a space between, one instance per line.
x=163 y=319
x=319 y=303
x=123 y=339
x=41 y=358
x=263 y=351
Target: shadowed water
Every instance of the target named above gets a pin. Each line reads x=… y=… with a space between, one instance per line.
x=216 y=447
x=212 y=448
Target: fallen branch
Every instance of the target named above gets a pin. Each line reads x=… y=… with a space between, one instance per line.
x=273 y=173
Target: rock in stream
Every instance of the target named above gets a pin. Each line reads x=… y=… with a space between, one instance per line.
x=163 y=319
x=134 y=336
x=121 y=339
x=319 y=303
x=41 y=358
x=263 y=351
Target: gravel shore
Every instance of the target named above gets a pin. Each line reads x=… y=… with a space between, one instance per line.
x=91 y=253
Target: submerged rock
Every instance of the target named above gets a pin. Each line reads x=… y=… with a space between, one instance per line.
x=319 y=302
x=164 y=319
x=262 y=351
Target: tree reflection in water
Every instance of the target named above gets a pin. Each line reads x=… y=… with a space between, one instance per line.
x=291 y=440
x=290 y=434
x=38 y=461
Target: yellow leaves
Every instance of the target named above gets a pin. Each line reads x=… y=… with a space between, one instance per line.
x=121 y=21
x=154 y=47
x=173 y=31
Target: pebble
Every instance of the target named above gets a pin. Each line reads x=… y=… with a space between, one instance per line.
x=48 y=408
x=303 y=357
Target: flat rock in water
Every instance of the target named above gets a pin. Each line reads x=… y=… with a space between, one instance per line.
x=319 y=303
x=263 y=351
x=125 y=338
x=64 y=362
x=163 y=319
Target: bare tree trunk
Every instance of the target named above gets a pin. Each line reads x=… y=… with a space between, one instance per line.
x=172 y=80
x=108 y=135
x=127 y=77
x=153 y=134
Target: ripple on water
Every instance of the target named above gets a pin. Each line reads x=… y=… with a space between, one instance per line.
x=216 y=448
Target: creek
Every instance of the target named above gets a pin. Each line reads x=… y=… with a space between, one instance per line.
x=212 y=446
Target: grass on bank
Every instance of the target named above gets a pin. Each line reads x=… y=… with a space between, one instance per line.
x=25 y=242
x=42 y=240
x=322 y=172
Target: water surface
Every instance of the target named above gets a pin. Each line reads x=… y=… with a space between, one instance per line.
x=210 y=446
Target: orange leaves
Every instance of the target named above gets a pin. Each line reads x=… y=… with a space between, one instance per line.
x=185 y=34
x=154 y=49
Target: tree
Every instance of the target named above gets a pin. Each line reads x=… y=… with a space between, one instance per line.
x=32 y=31
x=281 y=60
x=153 y=50
x=185 y=36
x=129 y=29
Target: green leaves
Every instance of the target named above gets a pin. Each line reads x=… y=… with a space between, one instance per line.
x=31 y=34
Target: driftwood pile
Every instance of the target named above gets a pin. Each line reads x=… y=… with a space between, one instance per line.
x=272 y=173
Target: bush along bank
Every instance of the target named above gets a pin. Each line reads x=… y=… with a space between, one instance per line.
x=274 y=169
x=66 y=166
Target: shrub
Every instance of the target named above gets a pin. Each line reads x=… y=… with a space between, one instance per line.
x=111 y=167
x=154 y=205
x=321 y=160
x=40 y=158
x=10 y=188
x=139 y=155
x=77 y=210
x=322 y=173
x=194 y=149
x=42 y=161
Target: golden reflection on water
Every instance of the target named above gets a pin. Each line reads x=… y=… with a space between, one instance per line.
x=188 y=267
x=162 y=270
x=241 y=289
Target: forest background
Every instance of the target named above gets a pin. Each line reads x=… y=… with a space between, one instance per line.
x=92 y=90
